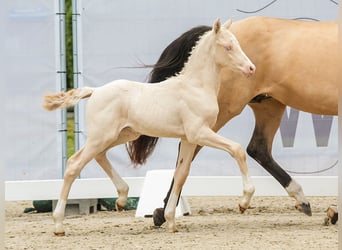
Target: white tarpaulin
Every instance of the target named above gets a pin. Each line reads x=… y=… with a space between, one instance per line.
x=29 y=65
x=117 y=36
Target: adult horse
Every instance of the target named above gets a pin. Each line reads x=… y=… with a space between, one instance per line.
x=122 y=110
x=297 y=67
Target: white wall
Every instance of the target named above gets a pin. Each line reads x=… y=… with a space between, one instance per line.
x=116 y=35
x=29 y=64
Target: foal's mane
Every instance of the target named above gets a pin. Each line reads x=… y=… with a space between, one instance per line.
x=170 y=62
x=176 y=54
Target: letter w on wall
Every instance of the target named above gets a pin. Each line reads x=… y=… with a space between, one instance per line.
x=321 y=124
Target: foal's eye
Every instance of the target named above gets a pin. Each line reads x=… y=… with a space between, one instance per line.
x=229 y=47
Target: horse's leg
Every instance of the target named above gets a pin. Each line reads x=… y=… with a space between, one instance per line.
x=158 y=213
x=186 y=151
x=222 y=118
x=121 y=186
x=268 y=115
x=74 y=166
x=97 y=143
x=207 y=137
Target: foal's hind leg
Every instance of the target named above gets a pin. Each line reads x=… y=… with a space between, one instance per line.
x=121 y=186
x=74 y=166
x=268 y=115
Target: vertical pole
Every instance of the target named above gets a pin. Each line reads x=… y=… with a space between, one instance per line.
x=3 y=11
x=62 y=71
x=75 y=16
x=340 y=128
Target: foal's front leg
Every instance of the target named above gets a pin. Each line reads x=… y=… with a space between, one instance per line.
x=207 y=137
x=181 y=173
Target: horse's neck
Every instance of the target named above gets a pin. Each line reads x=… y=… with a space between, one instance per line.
x=202 y=70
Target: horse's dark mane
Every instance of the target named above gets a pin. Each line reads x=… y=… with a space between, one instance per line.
x=170 y=62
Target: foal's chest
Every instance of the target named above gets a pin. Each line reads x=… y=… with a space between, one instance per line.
x=203 y=105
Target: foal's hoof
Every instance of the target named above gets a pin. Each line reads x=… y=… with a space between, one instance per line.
x=119 y=208
x=120 y=205
x=158 y=217
x=242 y=209
x=304 y=208
x=173 y=230
x=59 y=234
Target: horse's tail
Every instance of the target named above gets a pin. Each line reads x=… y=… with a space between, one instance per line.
x=140 y=149
x=170 y=63
x=66 y=99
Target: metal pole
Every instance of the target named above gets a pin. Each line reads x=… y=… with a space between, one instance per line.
x=63 y=86
x=75 y=16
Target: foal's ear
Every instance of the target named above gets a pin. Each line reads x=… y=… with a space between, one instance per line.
x=217 y=25
x=227 y=24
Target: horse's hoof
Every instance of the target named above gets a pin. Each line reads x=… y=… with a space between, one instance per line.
x=332 y=214
x=304 y=208
x=334 y=219
x=242 y=209
x=158 y=217
x=59 y=234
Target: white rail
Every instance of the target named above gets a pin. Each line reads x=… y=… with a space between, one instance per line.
x=194 y=186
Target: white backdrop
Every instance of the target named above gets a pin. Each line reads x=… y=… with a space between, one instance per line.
x=114 y=36
x=29 y=65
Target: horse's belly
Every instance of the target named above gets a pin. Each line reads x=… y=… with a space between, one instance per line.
x=315 y=104
x=158 y=123
x=311 y=96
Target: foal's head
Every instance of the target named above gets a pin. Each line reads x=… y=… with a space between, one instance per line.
x=228 y=52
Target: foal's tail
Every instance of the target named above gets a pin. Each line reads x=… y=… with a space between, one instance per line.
x=66 y=99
